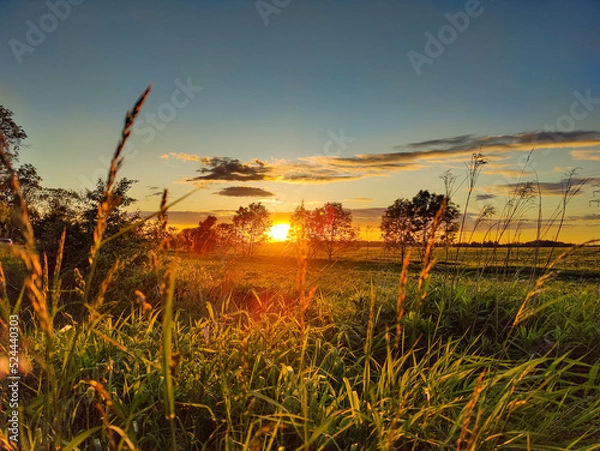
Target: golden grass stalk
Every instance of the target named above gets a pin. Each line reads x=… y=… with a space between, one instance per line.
x=302 y=259
x=467 y=416
x=109 y=200
x=3 y=292
x=163 y=220
x=428 y=260
x=99 y=301
x=35 y=278
x=401 y=297
x=525 y=311
x=168 y=361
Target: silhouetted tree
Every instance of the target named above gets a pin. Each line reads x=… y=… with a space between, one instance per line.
x=330 y=229
x=11 y=142
x=397 y=227
x=205 y=236
x=406 y=223
x=251 y=225
x=225 y=237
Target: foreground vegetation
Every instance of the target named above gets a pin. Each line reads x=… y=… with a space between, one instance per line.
x=488 y=349
x=461 y=374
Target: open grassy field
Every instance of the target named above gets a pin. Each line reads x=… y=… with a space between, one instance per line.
x=213 y=356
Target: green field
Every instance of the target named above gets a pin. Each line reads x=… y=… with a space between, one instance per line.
x=222 y=361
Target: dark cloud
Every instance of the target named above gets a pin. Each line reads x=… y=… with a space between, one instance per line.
x=590 y=217
x=244 y=191
x=232 y=169
x=465 y=145
x=485 y=196
x=472 y=143
x=553 y=188
x=412 y=156
x=186 y=218
x=154 y=191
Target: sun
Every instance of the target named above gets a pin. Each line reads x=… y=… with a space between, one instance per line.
x=279 y=232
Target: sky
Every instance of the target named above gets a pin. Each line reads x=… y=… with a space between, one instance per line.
x=284 y=101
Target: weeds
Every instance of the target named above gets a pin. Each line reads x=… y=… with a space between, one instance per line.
x=238 y=357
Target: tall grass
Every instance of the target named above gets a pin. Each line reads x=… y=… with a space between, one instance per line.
x=356 y=364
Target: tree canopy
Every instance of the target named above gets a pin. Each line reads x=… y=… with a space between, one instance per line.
x=251 y=225
x=328 y=229
x=409 y=222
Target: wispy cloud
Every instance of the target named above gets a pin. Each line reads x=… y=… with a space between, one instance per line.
x=594 y=217
x=586 y=155
x=550 y=188
x=181 y=156
x=244 y=191
x=485 y=196
x=412 y=156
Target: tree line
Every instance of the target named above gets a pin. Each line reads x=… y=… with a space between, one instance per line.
x=328 y=230
x=54 y=211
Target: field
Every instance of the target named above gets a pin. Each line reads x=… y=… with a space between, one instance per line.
x=213 y=354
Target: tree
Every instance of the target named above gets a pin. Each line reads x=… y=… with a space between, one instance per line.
x=405 y=222
x=205 y=235
x=77 y=213
x=251 y=225
x=330 y=228
x=397 y=227
x=12 y=134
x=299 y=232
x=61 y=210
x=425 y=207
x=11 y=138
x=225 y=237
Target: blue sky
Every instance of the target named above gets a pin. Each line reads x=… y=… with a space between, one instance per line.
x=281 y=88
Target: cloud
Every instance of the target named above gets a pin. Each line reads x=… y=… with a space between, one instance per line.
x=594 y=217
x=181 y=156
x=229 y=169
x=517 y=141
x=412 y=156
x=510 y=173
x=550 y=188
x=586 y=155
x=486 y=196
x=244 y=191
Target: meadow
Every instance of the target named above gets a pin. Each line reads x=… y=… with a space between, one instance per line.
x=475 y=361
x=452 y=349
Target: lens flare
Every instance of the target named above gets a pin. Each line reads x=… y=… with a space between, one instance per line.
x=279 y=232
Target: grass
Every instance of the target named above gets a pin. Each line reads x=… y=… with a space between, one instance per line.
x=245 y=376
x=278 y=353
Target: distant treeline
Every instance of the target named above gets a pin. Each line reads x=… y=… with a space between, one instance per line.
x=540 y=243
x=535 y=243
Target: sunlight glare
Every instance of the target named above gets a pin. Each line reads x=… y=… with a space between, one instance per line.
x=279 y=232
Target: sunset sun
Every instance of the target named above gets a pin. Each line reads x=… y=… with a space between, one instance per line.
x=279 y=232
